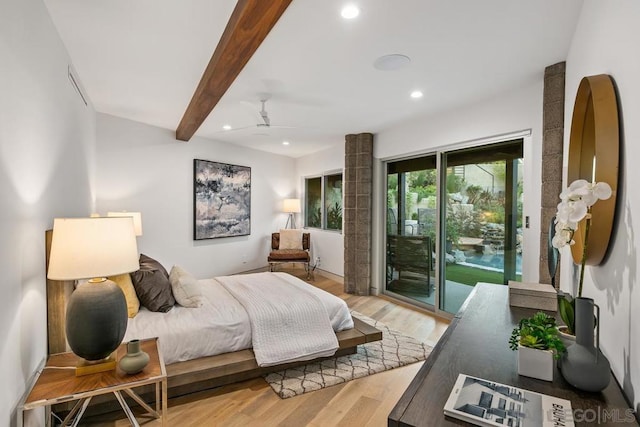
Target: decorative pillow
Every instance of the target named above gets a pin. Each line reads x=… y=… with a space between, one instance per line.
x=290 y=239
x=124 y=282
x=152 y=285
x=185 y=288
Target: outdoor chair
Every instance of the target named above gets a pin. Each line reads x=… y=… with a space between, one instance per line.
x=411 y=257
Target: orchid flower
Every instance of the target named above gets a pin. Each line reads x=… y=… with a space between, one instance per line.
x=575 y=205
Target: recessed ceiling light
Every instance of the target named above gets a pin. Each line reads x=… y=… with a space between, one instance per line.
x=285 y=142
x=391 y=62
x=350 y=11
x=226 y=127
x=416 y=94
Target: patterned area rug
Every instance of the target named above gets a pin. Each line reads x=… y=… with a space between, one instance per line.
x=394 y=350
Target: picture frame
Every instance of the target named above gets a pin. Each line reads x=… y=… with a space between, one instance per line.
x=221 y=200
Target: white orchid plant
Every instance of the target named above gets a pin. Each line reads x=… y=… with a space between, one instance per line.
x=576 y=203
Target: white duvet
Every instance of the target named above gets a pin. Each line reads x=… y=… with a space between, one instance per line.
x=299 y=329
x=220 y=325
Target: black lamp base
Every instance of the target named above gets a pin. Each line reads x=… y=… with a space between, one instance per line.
x=96 y=319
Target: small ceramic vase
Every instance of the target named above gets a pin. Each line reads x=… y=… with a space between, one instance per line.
x=135 y=360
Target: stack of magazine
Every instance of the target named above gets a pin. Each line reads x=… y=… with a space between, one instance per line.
x=487 y=403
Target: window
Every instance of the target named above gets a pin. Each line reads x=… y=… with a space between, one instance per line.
x=313 y=202
x=333 y=201
x=323 y=202
x=502 y=404
x=485 y=399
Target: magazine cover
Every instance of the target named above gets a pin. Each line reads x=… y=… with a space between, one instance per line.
x=487 y=403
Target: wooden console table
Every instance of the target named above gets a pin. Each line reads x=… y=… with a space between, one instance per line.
x=476 y=343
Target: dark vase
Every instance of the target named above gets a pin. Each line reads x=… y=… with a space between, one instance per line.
x=96 y=319
x=135 y=360
x=583 y=365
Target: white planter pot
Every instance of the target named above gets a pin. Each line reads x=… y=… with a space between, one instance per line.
x=567 y=339
x=535 y=363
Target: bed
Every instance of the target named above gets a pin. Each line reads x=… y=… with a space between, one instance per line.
x=192 y=333
x=221 y=359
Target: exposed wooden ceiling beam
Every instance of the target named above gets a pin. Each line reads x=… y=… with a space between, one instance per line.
x=248 y=26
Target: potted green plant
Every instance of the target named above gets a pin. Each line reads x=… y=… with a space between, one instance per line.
x=566 y=310
x=537 y=341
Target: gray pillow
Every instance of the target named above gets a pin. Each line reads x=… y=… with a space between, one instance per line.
x=152 y=285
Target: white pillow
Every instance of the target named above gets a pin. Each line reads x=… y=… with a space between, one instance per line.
x=291 y=239
x=185 y=288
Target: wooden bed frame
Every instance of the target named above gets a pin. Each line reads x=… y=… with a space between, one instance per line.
x=192 y=375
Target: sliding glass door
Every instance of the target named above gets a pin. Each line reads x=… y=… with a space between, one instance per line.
x=453 y=220
x=482 y=219
x=411 y=232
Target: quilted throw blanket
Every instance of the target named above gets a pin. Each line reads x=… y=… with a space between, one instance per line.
x=287 y=323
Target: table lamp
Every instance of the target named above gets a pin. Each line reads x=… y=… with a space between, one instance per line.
x=291 y=206
x=96 y=318
x=137 y=219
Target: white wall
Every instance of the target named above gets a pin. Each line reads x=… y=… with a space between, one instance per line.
x=517 y=110
x=605 y=42
x=144 y=168
x=46 y=152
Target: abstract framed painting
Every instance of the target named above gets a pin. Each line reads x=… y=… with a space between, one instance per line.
x=221 y=200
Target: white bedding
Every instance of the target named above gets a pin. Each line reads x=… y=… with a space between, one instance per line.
x=297 y=330
x=220 y=325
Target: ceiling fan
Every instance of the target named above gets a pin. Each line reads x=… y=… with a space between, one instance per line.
x=264 y=115
x=264 y=122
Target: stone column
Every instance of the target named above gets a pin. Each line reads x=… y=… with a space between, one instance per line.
x=552 y=143
x=358 y=175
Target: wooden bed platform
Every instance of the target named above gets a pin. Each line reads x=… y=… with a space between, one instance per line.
x=192 y=375
x=215 y=371
x=241 y=365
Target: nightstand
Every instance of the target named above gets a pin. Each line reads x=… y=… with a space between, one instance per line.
x=57 y=383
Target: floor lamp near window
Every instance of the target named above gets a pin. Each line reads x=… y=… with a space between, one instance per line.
x=96 y=317
x=292 y=207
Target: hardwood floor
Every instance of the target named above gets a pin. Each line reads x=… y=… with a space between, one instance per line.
x=363 y=402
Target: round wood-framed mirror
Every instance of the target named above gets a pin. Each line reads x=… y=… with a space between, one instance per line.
x=594 y=156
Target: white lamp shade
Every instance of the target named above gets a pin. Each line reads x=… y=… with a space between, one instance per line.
x=137 y=219
x=85 y=248
x=291 y=205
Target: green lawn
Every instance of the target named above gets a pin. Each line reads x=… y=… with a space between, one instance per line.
x=470 y=276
